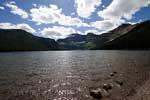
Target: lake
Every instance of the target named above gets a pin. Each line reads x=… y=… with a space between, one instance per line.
x=69 y=75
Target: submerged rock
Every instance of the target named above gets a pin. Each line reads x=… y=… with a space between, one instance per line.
x=99 y=93
x=112 y=74
x=96 y=94
x=136 y=72
x=120 y=83
x=107 y=86
x=115 y=72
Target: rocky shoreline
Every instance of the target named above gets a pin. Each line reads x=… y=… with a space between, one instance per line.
x=105 y=89
x=119 y=89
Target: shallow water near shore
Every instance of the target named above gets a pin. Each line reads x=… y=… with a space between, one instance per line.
x=69 y=75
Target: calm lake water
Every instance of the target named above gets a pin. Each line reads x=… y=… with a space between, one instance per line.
x=65 y=75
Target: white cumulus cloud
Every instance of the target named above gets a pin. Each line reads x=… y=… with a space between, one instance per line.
x=34 y=5
x=86 y=7
x=118 y=12
x=57 y=32
x=120 y=9
x=22 y=26
x=2 y=8
x=16 y=10
x=53 y=14
x=106 y=24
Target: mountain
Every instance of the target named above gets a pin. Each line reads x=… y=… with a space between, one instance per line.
x=73 y=41
x=73 y=38
x=136 y=37
x=126 y=36
x=113 y=34
x=77 y=41
x=93 y=41
x=20 y=40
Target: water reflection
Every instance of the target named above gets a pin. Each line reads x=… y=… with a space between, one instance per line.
x=63 y=75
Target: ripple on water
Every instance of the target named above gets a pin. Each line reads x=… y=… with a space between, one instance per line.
x=62 y=84
x=65 y=83
x=65 y=98
x=65 y=92
x=79 y=89
x=56 y=85
x=68 y=73
x=72 y=76
x=49 y=90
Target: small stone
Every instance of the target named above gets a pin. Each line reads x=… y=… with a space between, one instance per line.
x=111 y=74
x=115 y=72
x=40 y=82
x=119 y=82
x=136 y=71
x=107 y=87
x=96 y=94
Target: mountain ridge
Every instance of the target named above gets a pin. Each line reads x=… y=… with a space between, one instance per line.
x=136 y=38
x=125 y=36
x=20 y=40
x=93 y=41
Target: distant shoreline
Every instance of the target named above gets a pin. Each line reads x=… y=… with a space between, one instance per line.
x=76 y=50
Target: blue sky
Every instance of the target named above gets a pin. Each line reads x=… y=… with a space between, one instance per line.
x=59 y=18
